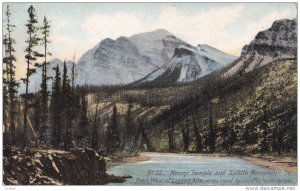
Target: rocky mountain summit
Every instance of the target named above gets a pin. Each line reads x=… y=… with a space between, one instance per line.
x=276 y=43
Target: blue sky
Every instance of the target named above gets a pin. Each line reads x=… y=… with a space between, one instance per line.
x=77 y=27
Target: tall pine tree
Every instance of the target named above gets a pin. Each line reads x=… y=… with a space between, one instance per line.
x=44 y=93
x=73 y=73
x=198 y=138
x=31 y=57
x=211 y=131
x=11 y=82
x=68 y=107
x=233 y=137
x=113 y=133
x=263 y=141
x=186 y=135
x=129 y=129
x=56 y=109
x=83 y=121
x=37 y=112
x=64 y=99
x=170 y=129
x=5 y=81
x=224 y=135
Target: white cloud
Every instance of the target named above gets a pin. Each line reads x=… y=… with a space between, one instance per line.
x=62 y=40
x=207 y=27
x=57 y=25
x=61 y=24
x=112 y=26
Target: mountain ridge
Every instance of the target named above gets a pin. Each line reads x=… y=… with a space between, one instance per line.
x=189 y=64
x=157 y=55
x=275 y=43
x=149 y=51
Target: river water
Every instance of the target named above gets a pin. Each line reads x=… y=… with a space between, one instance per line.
x=180 y=169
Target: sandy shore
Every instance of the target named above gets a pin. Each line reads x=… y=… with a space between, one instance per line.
x=287 y=164
x=118 y=161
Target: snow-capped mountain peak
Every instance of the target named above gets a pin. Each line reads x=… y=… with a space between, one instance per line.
x=151 y=56
x=159 y=45
x=113 y=62
x=189 y=63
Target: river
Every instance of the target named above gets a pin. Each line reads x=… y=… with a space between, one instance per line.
x=181 y=169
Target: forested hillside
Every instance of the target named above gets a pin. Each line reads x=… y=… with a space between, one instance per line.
x=251 y=113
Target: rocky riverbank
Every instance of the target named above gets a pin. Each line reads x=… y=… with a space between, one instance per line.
x=55 y=167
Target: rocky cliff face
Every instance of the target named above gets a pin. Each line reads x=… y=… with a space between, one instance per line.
x=113 y=62
x=182 y=67
x=126 y=60
x=189 y=63
x=276 y=43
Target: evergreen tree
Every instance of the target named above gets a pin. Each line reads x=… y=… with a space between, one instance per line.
x=95 y=133
x=66 y=109
x=141 y=132
x=73 y=73
x=263 y=141
x=145 y=135
x=44 y=92
x=31 y=56
x=71 y=106
x=83 y=122
x=276 y=140
x=198 y=139
x=211 y=132
x=145 y=140
x=170 y=127
x=76 y=101
x=129 y=129
x=5 y=81
x=65 y=88
x=233 y=138
x=5 y=63
x=225 y=137
x=113 y=133
x=279 y=140
x=136 y=137
x=11 y=82
x=37 y=112
x=56 y=109
x=246 y=135
x=69 y=115
x=289 y=130
x=186 y=135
